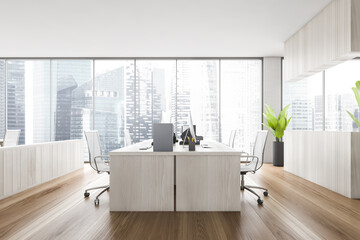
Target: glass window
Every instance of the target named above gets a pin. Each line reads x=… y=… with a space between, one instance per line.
x=155 y=95
x=306 y=103
x=339 y=96
x=114 y=102
x=2 y=98
x=28 y=102
x=198 y=92
x=241 y=82
x=72 y=101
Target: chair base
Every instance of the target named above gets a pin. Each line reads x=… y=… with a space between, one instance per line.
x=97 y=200
x=248 y=187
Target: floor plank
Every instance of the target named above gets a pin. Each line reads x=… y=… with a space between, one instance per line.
x=294 y=209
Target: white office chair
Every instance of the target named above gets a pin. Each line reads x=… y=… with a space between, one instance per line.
x=11 y=138
x=232 y=138
x=97 y=161
x=254 y=162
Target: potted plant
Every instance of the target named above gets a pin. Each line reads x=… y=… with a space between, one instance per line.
x=277 y=126
x=357 y=97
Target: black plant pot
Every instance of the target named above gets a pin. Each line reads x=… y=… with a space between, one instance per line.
x=278 y=154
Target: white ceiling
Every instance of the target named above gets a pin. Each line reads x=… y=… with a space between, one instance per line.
x=151 y=28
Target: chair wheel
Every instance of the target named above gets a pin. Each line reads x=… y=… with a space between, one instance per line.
x=266 y=193
x=260 y=202
x=86 y=194
x=96 y=201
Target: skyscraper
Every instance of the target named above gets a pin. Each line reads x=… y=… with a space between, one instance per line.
x=64 y=108
x=198 y=92
x=71 y=96
x=151 y=101
x=16 y=97
x=110 y=108
x=40 y=109
x=2 y=98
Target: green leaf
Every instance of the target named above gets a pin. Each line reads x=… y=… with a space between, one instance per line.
x=357 y=96
x=270 y=110
x=357 y=84
x=355 y=120
x=283 y=112
x=287 y=122
x=280 y=128
x=276 y=125
x=272 y=121
x=271 y=130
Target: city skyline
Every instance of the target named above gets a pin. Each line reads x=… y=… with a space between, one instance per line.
x=127 y=103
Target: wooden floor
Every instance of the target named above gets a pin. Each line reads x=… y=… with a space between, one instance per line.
x=294 y=209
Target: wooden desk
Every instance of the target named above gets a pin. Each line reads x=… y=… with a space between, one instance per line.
x=207 y=179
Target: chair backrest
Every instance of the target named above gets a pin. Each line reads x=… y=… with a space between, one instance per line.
x=232 y=138
x=94 y=146
x=259 y=147
x=11 y=138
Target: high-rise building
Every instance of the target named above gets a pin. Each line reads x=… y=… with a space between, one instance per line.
x=198 y=92
x=16 y=97
x=72 y=89
x=337 y=119
x=151 y=101
x=40 y=109
x=63 y=112
x=110 y=108
x=303 y=107
x=2 y=98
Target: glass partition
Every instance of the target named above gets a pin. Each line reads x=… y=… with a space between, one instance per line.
x=340 y=98
x=306 y=103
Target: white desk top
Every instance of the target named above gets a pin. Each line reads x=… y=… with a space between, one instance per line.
x=216 y=148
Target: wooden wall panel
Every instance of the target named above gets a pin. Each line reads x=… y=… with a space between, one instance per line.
x=22 y=167
x=355 y=26
x=331 y=37
x=330 y=159
x=2 y=182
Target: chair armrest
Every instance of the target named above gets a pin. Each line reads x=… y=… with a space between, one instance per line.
x=246 y=161
x=250 y=156
x=102 y=156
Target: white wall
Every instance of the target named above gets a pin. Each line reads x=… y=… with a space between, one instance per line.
x=271 y=95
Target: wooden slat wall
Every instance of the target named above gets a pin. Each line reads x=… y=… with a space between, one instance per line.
x=330 y=159
x=22 y=167
x=331 y=37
